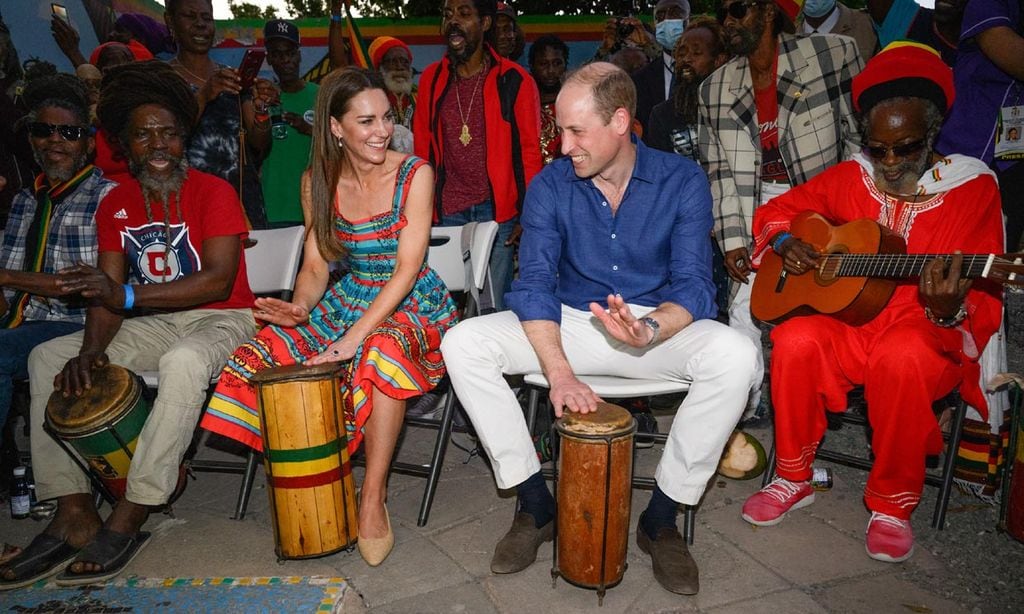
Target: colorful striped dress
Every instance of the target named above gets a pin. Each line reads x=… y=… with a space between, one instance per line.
x=401 y=357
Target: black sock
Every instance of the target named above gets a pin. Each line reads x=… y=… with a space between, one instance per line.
x=535 y=499
x=660 y=514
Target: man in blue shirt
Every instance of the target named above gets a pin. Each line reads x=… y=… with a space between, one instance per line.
x=615 y=279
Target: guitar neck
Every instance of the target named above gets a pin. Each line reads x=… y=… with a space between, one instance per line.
x=896 y=266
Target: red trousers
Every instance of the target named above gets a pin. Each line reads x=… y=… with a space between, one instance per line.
x=904 y=363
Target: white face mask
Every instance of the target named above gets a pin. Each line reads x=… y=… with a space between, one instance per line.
x=668 y=31
x=818 y=8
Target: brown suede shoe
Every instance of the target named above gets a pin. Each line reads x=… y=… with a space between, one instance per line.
x=674 y=568
x=518 y=549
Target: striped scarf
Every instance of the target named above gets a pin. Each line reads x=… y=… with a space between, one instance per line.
x=47 y=199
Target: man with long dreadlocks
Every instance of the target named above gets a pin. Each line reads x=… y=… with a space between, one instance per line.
x=170 y=243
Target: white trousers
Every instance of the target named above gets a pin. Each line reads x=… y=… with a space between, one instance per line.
x=741 y=321
x=188 y=348
x=719 y=362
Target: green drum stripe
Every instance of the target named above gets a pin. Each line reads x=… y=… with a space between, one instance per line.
x=304 y=454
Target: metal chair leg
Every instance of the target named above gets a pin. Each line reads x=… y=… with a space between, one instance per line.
x=769 y=468
x=689 y=522
x=948 y=463
x=444 y=433
x=247 y=478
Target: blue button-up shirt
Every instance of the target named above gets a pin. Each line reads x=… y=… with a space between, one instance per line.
x=655 y=249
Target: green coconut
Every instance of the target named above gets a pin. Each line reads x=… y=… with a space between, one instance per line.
x=744 y=457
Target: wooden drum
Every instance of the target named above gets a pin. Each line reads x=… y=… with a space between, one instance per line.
x=309 y=476
x=102 y=425
x=593 y=491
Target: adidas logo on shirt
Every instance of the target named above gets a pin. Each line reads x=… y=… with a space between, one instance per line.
x=121 y=215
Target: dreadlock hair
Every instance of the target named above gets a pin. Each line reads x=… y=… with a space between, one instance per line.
x=10 y=65
x=60 y=90
x=686 y=106
x=328 y=155
x=153 y=82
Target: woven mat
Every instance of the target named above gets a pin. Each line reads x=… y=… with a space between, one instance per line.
x=274 y=594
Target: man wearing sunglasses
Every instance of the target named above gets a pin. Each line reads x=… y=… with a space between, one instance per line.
x=927 y=339
x=774 y=116
x=51 y=226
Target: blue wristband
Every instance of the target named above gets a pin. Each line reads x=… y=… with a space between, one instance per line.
x=129 y=297
x=780 y=240
x=336 y=17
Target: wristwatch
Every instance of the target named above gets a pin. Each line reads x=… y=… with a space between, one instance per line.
x=652 y=324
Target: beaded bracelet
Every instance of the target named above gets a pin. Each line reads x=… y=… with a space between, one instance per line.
x=949 y=322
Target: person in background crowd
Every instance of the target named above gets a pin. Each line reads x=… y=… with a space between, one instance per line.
x=654 y=81
x=833 y=17
x=68 y=40
x=393 y=59
x=774 y=116
x=51 y=226
x=930 y=334
x=989 y=74
x=629 y=59
x=281 y=173
x=17 y=166
x=478 y=123
x=229 y=138
x=384 y=319
x=604 y=291
x=549 y=57
x=150 y=33
x=672 y=126
x=896 y=20
x=509 y=38
x=200 y=306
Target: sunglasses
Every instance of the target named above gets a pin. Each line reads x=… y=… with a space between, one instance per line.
x=40 y=130
x=878 y=152
x=736 y=10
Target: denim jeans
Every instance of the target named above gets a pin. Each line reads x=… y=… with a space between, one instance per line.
x=15 y=345
x=501 y=264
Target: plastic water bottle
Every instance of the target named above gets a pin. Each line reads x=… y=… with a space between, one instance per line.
x=21 y=496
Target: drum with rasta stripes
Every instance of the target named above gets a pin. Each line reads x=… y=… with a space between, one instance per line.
x=309 y=476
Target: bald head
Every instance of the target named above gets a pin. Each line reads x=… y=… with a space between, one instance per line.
x=608 y=85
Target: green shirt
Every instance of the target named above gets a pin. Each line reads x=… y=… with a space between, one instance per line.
x=282 y=170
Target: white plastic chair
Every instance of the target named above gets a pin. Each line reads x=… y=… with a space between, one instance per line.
x=455 y=266
x=611 y=387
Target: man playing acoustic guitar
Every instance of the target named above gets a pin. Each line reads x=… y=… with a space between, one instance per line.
x=927 y=338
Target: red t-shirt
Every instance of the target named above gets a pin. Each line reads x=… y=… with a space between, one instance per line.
x=466 y=183
x=209 y=207
x=773 y=167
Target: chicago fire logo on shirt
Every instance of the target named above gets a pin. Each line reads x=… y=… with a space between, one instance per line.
x=146 y=249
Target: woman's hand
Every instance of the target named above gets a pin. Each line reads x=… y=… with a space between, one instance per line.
x=279 y=312
x=341 y=350
x=221 y=81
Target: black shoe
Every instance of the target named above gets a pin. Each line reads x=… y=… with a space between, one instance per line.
x=674 y=568
x=646 y=424
x=518 y=549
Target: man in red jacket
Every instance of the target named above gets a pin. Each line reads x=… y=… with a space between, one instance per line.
x=478 y=123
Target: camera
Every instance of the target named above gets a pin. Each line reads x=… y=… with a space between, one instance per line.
x=622 y=28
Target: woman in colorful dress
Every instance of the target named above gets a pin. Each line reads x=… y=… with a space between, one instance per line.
x=384 y=319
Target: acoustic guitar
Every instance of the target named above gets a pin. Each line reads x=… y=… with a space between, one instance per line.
x=856 y=273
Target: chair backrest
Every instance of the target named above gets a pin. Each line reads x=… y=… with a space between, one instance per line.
x=480 y=253
x=273 y=262
x=456 y=266
x=445 y=256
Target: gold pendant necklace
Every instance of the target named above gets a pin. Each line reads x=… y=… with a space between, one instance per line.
x=465 y=137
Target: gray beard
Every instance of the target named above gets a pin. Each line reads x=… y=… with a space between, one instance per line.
x=158 y=187
x=396 y=84
x=55 y=174
x=907 y=185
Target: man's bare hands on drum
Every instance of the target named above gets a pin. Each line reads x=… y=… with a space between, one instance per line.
x=92 y=283
x=620 y=322
x=798 y=257
x=570 y=393
x=282 y=313
x=76 y=377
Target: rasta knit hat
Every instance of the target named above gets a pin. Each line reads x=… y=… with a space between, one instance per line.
x=904 y=68
x=383 y=44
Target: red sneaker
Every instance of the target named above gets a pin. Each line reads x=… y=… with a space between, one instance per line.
x=889 y=539
x=770 y=505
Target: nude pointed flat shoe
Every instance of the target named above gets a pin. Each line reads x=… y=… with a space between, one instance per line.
x=375 y=549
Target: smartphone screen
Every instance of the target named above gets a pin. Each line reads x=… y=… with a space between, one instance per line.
x=252 y=61
x=60 y=11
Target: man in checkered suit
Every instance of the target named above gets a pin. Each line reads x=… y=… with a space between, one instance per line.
x=774 y=116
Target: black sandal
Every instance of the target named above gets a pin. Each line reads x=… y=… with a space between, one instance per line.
x=42 y=558
x=111 y=550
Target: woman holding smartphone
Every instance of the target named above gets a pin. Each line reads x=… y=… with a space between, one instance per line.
x=219 y=146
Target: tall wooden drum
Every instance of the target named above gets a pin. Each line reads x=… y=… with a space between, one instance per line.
x=309 y=476
x=594 y=460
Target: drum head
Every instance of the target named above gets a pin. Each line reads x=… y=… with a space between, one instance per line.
x=297 y=373
x=607 y=420
x=114 y=390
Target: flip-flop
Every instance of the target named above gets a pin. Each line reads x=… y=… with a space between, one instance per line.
x=42 y=558
x=111 y=550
